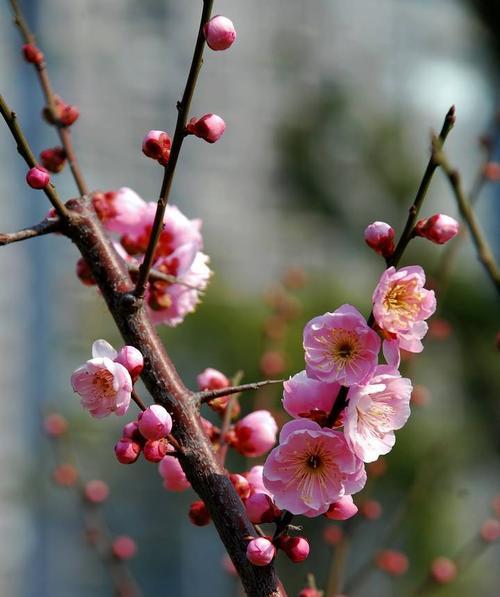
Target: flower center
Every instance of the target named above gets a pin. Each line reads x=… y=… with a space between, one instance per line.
x=344 y=346
x=403 y=299
x=314 y=461
x=103 y=383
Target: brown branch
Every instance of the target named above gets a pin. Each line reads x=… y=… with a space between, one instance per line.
x=208 y=395
x=407 y=234
x=179 y=134
x=138 y=400
x=156 y=275
x=43 y=76
x=198 y=459
x=46 y=226
x=484 y=252
x=25 y=151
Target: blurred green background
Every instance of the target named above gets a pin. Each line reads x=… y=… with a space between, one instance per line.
x=329 y=107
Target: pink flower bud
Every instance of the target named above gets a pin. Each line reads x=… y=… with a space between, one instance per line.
x=198 y=514
x=219 y=33
x=391 y=561
x=155 y=449
x=212 y=379
x=84 y=273
x=174 y=478
x=65 y=475
x=296 y=548
x=260 y=551
x=308 y=592
x=333 y=535
x=209 y=127
x=241 y=485
x=443 y=570
x=439 y=228
x=53 y=159
x=156 y=145
x=132 y=360
x=55 y=425
x=127 y=450
x=371 y=509
x=272 y=362
x=255 y=434
x=124 y=547
x=96 y=491
x=379 y=236
x=155 y=422
x=261 y=508
x=32 y=54
x=37 y=177
x=131 y=431
x=491 y=171
x=342 y=510
x=68 y=115
x=490 y=530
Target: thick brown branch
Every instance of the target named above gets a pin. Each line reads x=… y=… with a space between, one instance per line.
x=165 y=386
x=47 y=226
x=43 y=76
x=182 y=116
x=25 y=151
x=208 y=395
x=484 y=252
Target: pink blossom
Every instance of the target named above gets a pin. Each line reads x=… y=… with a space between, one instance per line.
x=401 y=304
x=209 y=127
x=255 y=434
x=155 y=422
x=260 y=551
x=120 y=211
x=379 y=236
x=254 y=477
x=212 y=379
x=374 y=411
x=174 y=478
x=219 y=33
x=104 y=386
x=439 y=228
x=38 y=177
x=309 y=398
x=340 y=347
x=311 y=468
x=342 y=509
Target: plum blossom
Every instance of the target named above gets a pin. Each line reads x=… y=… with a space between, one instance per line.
x=119 y=211
x=308 y=398
x=374 y=411
x=340 y=347
x=104 y=386
x=401 y=304
x=311 y=468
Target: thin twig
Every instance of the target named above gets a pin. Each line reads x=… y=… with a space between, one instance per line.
x=46 y=226
x=182 y=116
x=25 y=151
x=208 y=395
x=156 y=275
x=137 y=399
x=484 y=252
x=226 y=421
x=43 y=76
x=407 y=234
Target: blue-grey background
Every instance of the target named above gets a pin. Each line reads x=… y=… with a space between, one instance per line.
x=328 y=106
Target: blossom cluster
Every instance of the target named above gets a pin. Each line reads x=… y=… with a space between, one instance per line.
x=178 y=256
x=345 y=404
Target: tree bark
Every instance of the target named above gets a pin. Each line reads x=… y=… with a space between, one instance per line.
x=163 y=382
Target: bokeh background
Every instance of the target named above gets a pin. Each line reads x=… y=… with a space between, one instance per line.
x=329 y=107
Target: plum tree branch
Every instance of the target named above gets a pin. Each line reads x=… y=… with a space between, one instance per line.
x=179 y=134
x=208 y=395
x=46 y=226
x=64 y=132
x=25 y=151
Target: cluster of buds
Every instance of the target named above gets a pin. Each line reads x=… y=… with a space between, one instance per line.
x=63 y=114
x=262 y=550
x=148 y=434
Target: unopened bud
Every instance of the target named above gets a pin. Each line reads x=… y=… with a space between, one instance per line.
x=53 y=159
x=342 y=509
x=84 y=273
x=155 y=422
x=209 y=127
x=124 y=547
x=55 y=425
x=154 y=450
x=32 y=54
x=219 y=33
x=127 y=450
x=260 y=551
x=379 y=236
x=443 y=570
x=391 y=561
x=132 y=360
x=96 y=491
x=199 y=514
x=261 y=508
x=439 y=228
x=156 y=145
x=296 y=548
x=37 y=177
